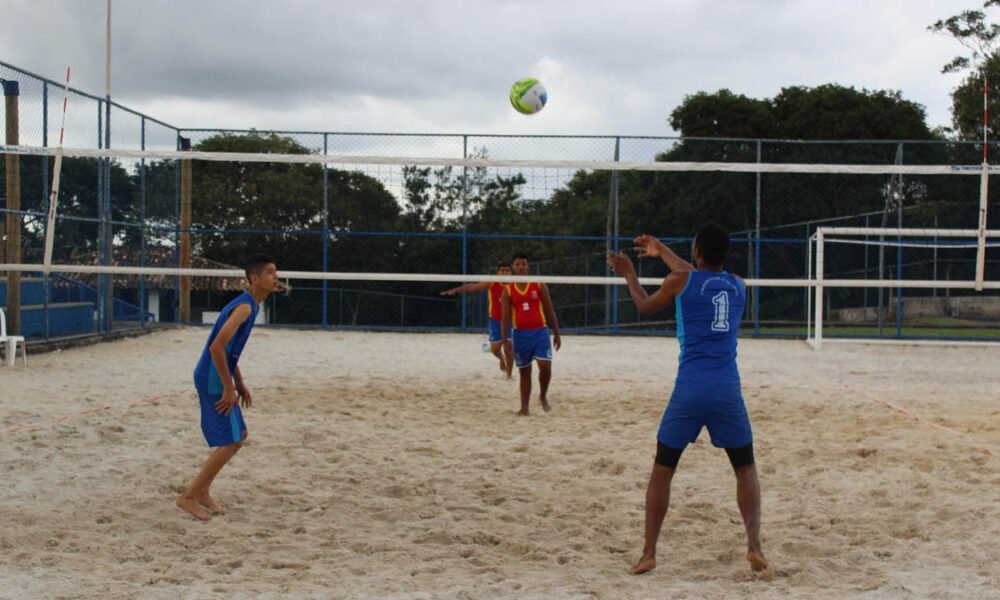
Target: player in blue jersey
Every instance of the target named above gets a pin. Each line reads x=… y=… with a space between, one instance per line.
x=708 y=303
x=220 y=384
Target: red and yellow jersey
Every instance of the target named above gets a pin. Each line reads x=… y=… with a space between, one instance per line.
x=495 y=292
x=526 y=306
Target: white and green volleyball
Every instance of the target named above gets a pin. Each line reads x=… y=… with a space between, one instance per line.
x=528 y=96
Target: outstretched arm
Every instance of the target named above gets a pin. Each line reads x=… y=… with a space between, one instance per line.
x=469 y=287
x=645 y=303
x=550 y=315
x=647 y=245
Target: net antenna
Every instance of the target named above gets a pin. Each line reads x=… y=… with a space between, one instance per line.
x=50 y=223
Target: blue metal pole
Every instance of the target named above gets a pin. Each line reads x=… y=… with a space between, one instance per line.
x=899 y=252
x=98 y=293
x=614 y=193
x=143 y=301
x=177 y=231
x=108 y=231
x=756 y=253
x=805 y=256
x=326 y=228
x=46 y=282
x=465 y=228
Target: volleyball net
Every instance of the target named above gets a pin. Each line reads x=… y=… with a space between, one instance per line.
x=365 y=240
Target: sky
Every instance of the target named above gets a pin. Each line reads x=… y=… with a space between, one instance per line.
x=445 y=66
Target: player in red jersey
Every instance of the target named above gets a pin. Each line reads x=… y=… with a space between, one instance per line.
x=501 y=349
x=529 y=308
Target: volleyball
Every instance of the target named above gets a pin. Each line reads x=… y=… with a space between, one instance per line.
x=528 y=96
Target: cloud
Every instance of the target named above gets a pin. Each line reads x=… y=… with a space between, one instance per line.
x=445 y=65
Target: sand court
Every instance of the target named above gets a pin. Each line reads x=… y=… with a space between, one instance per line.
x=392 y=465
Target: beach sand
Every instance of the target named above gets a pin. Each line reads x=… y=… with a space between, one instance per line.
x=392 y=465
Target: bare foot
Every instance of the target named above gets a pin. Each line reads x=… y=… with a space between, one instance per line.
x=546 y=406
x=210 y=504
x=523 y=412
x=757 y=560
x=645 y=564
x=192 y=506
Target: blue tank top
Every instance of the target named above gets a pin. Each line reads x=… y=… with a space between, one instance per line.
x=708 y=311
x=206 y=376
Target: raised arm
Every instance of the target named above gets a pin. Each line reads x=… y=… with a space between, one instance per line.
x=550 y=315
x=647 y=245
x=469 y=287
x=647 y=304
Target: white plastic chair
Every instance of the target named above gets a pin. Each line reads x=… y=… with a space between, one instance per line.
x=10 y=342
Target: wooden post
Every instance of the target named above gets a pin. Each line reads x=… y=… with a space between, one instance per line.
x=184 y=290
x=13 y=221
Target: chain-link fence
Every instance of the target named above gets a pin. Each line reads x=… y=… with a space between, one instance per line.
x=383 y=218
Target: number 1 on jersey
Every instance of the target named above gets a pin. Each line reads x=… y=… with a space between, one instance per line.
x=721 y=302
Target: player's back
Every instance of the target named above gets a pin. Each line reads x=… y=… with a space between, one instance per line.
x=708 y=319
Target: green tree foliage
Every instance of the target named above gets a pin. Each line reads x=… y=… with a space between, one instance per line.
x=676 y=203
x=450 y=200
x=76 y=230
x=271 y=197
x=723 y=114
x=981 y=39
x=282 y=201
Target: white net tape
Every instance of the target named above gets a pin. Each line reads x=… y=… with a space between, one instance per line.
x=596 y=165
x=526 y=164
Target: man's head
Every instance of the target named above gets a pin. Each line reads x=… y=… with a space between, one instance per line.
x=520 y=264
x=262 y=272
x=711 y=246
x=504 y=269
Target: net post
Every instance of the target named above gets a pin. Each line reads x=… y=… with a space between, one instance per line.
x=11 y=92
x=981 y=233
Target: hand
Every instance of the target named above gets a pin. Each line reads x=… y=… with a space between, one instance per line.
x=556 y=340
x=648 y=246
x=448 y=293
x=620 y=263
x=226 y=403
x=246 y=400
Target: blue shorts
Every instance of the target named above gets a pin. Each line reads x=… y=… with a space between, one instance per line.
x=220 y=430
x=531 y=344
x=495 y=328
x=716 y=405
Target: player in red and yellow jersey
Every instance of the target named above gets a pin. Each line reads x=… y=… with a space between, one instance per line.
x=502 y=350
x=529 y=307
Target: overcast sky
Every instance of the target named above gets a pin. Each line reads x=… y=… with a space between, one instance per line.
x=611 y=67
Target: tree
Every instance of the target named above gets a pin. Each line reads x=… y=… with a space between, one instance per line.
x=76 y=229
x=723 y=114
x=276 y=208
x=982 y=41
